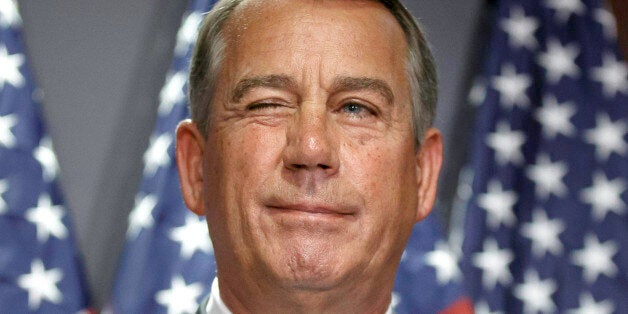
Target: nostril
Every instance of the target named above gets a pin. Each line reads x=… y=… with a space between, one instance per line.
x=303 y=166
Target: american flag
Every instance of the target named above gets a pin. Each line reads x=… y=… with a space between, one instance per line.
x=546 y=225
x=168 y=264
x=39 y=265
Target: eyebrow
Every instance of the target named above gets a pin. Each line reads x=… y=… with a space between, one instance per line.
x=342 y=84
x=273 y=81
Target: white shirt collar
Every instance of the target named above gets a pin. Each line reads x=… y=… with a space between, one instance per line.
x=216 y=306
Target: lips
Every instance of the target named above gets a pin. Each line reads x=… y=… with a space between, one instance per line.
x=311 y=206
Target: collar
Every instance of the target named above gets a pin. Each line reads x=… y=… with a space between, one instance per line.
x=215 y=305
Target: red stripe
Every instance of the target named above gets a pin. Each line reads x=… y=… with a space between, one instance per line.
x=462 y=306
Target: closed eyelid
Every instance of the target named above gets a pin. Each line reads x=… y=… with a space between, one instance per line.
x=263 y=104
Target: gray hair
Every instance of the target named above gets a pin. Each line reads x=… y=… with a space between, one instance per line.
x=208 y=56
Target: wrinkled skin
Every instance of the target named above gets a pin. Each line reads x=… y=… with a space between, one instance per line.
x=308 y=176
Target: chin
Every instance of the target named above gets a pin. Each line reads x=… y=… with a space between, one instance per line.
x=311 y=267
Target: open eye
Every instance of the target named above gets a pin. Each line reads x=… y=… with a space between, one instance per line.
x=356 y=109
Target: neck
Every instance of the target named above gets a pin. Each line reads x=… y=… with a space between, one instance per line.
x=370 y=297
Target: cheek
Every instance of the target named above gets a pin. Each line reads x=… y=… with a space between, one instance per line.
x=389 y=188
x=242 y=159
x=255 y=152
x=238 y=162
x=386 y=176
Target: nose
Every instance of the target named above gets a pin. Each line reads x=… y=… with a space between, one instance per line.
x=311 y=149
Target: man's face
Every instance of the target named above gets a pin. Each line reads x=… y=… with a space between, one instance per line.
x=310 y=174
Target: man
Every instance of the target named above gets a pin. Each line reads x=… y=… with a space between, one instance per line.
x=309 y=151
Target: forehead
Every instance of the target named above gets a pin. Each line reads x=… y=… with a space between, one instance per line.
x=368 y=12
x=349 y=35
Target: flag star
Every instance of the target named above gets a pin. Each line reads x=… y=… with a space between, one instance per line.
x=41 y=284
x=157 y=154
x=565 y=8
x=544 y=234
x=589 y=306
x=548 y=177
x=536 y=294
x=9 y=15
x=46 y=157
x=482 y=307
x=7 y=138
x=142 y=215
x=477 y=94
x=555 y=117
x=188 y=32
x=4 y=186
x=604 y=195
x=172 y=92
x=444 y=262
x=612 y=74
x=559 y=60
x=607 y=20
x=192 y=236
x=494 y=264
x=507 y=144
x=498 y=205
x=464 y=192
x=596 y=258
x=520 y=29
x=180 y=298
x=47 y=219
x=10 y=65
x=607 y=136
x=512 y=87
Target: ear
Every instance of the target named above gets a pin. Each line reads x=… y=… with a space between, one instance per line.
x=429 y=159
x=189 y=155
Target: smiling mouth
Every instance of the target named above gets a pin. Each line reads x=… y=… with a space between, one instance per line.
x=311 y=218
x=311 y=208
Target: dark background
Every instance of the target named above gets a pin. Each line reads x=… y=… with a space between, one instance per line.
x=101 y=65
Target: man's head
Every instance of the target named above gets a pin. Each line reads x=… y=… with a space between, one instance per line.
x=303 y=152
